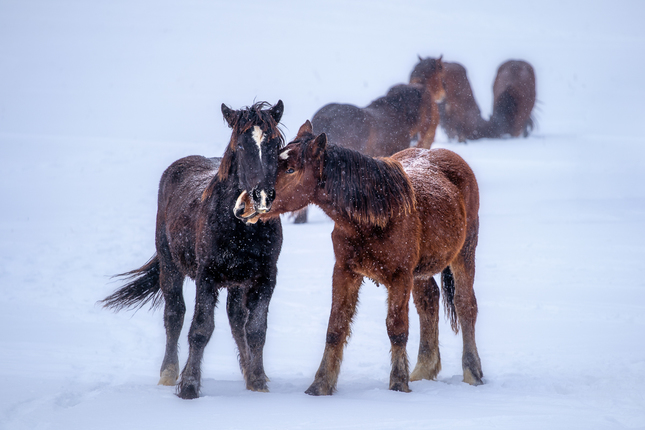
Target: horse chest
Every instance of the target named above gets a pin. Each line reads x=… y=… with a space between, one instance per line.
x=244 y=252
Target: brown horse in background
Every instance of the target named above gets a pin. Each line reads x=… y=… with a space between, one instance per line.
x=385 y=126
x=398 y=221
x=430 y=73
x=460 y=115
x=513 y=100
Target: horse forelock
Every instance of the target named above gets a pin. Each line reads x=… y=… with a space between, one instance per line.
x=368 y=190
x=247 y=118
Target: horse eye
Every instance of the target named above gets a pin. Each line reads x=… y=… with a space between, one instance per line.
x=290 y=171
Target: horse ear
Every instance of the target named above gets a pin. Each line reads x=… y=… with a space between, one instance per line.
x=319 y=145
x=229 y=115
x=420 y=59
x=305 y=128
x=277 y=111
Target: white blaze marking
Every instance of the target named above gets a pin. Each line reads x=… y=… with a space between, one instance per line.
x=263 y=201
x=285 y=154
x=258 y=136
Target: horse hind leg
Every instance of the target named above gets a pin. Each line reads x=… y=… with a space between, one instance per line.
x=172 y=282
x=465 y=302
x=426 y=298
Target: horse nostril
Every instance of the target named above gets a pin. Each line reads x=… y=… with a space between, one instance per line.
x=271 y=194
x=256 y=194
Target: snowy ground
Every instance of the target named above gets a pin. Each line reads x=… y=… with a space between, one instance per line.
x=96 y=99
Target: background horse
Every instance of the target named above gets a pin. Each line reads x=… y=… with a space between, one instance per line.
x=513 y=100
x=385 y=126
x=459 y=112
x=398 y=221
x=198 y=236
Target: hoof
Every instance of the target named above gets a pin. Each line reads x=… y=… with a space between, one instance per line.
x=169 y=376
x=471 y=379
x=400 y=386
x=472 y=369
x=418 y=374
x=188 y=391
x=260 y=387
x=317 y=389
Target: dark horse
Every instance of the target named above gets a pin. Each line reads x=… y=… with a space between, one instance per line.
x=199 y=236
x=398 y=221
x=513 y=100
x=460 y=114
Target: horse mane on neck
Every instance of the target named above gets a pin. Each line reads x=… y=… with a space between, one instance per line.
x=367 y=190
x=257 y=114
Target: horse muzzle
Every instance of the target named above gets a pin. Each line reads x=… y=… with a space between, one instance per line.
x=245 y=210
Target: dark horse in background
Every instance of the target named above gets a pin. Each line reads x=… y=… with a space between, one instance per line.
x=389 y=123
x=199 y=236
x=513 y=100
x=460 y=115
x=398 y=221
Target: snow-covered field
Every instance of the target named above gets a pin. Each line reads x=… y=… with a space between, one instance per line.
x=98 y=98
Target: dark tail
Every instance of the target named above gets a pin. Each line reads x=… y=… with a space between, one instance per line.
x=448 y=287
x=144 y=287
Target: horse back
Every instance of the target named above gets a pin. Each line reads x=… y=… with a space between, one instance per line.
x=447 y=201
x=345 y=125
x=180 y=194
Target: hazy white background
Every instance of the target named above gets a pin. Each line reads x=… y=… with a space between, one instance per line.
x=98 y=98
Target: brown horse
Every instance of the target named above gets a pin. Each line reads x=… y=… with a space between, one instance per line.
x=513 y=100
x=460 y=114
x=430 y=73
x=398 y=221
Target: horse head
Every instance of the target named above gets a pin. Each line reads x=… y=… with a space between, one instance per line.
x=252 y=153
x=300 y=168
x=429 y=73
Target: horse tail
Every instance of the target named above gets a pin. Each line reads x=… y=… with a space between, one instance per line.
x=448 y=287
x=144 y=287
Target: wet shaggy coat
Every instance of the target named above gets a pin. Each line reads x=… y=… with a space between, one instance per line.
x=430 y=226
x=198 y=236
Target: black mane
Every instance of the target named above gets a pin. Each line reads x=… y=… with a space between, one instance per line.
x=365 y=189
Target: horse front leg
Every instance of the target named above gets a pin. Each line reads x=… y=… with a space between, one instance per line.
x=200 y=333
x=426 y=299
x=345 y=287
x=238 y=315
x=257 y=303
x=397 y=323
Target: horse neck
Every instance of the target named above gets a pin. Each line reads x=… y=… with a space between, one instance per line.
x=367 y=194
